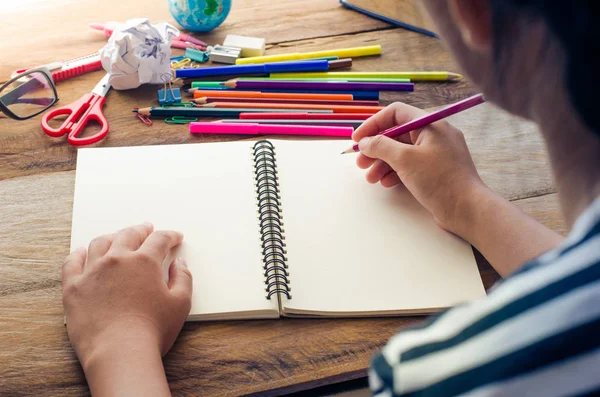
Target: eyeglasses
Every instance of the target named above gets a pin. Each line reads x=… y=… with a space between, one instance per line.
x=28 y=94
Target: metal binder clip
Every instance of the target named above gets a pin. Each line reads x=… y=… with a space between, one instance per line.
x=223 y=54
x=170 y=95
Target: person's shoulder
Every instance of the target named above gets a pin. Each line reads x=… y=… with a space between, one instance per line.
x=543 y=317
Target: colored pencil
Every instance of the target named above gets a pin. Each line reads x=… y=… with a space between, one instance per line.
x=323 y=59
x=341 y=53
x=261 y=129
x=334 y=64
x=413 y=76
x=336 y=123
x=335 y=108
x=357 y=95
x=258 y=94
x=317 y=79
x=325 y=85
x=426 y=120
x=306 y=116
x=221 y=78
x=300 y=66
x=200 y=112
x=205 y=100
x=205 y=84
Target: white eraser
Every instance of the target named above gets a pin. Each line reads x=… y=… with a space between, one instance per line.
x=251 y=46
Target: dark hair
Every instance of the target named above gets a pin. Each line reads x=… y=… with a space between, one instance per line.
x=576 y=24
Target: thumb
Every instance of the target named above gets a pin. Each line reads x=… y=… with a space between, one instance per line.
x=180 y=280
x=384 y=148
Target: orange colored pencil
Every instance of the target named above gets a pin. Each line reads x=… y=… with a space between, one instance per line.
x=258 y=94
x=335 y=108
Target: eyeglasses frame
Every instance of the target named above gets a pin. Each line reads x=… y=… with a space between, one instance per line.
x=4 y=109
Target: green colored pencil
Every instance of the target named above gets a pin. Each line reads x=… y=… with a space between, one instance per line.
x=213 y=112
x=218 y=84
x=207 y=84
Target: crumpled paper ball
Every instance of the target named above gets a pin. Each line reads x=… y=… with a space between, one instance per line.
x=137 y=53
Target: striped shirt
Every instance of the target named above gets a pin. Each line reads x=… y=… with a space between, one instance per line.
x=537 y=333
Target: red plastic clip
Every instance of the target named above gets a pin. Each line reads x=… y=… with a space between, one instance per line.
x=144 y=119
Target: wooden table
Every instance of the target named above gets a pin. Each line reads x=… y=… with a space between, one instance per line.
x=225 y=358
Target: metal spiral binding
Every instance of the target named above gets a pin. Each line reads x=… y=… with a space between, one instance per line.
x=270 y=220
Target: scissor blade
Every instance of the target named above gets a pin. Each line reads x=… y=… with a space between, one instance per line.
x=102 y=87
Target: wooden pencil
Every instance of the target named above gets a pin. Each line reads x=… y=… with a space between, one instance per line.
x=335 y=108
x=205 y=100
x=322 y=85
x=426 y=120
x=282 y=95
x=413 y=76
x=306 y=116
x=212 y=112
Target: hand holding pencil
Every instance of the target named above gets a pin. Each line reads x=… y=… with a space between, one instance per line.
x=433 y=163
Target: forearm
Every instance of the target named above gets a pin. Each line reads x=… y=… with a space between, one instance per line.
x=505 y=236
x=127 y=368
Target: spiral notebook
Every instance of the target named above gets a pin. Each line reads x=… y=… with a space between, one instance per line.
x=278 y=228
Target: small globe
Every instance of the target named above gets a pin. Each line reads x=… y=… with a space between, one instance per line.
x=200 y=15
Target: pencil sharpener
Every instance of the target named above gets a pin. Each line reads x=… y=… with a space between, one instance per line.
x=224 y=54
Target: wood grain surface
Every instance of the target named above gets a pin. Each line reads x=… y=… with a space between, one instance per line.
x=223 y=358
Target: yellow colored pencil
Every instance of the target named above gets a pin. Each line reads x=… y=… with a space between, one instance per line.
x=341 y=53
x=413 y=76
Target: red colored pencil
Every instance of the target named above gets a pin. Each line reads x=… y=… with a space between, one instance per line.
x=428 y=119
x=306 y=116
x=205 y=100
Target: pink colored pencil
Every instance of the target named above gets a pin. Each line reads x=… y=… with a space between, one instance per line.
x=306 y=116
x=269 y=129
x=428 y=119
x=178 y=42
x=190 y=39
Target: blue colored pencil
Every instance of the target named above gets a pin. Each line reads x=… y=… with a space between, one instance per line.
x=267 y=68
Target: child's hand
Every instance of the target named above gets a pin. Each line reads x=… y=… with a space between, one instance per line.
x=118 y=297
x=434 y=164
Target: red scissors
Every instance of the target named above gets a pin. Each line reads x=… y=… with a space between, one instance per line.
x=86 y=109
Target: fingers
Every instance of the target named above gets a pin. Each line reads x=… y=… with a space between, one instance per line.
x=390 y=180
x=180 y=280
x=131 y=238
x=159 y=243
x=393 y=115
x=99 y=247
x=378 y=171
x=390 y=151
x=73 y=265
x=363 y=161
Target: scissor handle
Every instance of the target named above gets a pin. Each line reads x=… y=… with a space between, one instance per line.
x=80 y=112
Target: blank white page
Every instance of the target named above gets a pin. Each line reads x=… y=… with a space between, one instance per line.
x=204 y=191
x=359 y=248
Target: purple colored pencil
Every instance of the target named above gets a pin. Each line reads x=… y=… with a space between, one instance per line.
x=320 y=85
x=428 y=119
x=209 y=99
